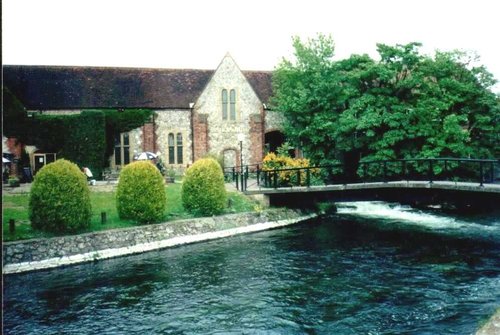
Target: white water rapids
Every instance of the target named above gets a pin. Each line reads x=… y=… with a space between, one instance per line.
x=394 y=213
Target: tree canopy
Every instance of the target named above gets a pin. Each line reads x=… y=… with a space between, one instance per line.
x=405 y=105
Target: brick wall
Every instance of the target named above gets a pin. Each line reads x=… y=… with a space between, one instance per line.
x=200 y=135
x=256 y=127
x=149 y=137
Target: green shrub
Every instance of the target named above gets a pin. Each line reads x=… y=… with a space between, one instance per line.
x=60 y=198
x=141 y=195
x=218 y=158
x=203 y=190
x=13 y=181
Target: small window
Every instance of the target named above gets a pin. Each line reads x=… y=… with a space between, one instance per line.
x=179 y=148
x=224 y=104
x=126 y=149
x=232 y=100
x=171 y=149
x=122 y=149
x=118 y=152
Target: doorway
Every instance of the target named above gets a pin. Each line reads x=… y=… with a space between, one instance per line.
x=230 y=158
x=273 y=140
x=42 y=159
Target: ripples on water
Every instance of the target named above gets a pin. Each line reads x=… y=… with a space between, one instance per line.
x=359 y=272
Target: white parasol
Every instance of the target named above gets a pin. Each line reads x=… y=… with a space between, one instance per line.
x=145 y=156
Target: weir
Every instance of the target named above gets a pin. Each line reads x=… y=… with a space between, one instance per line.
x=458 y=195
x=461 y=183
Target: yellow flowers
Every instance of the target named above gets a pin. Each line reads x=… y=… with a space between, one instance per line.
x=294 y=175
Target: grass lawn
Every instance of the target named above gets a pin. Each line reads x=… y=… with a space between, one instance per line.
x=15 y=207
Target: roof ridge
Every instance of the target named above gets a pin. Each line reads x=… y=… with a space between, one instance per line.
x=56 y=87
x=122 y=68
x=103 y=67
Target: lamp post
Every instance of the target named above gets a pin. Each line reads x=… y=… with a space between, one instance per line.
x=241 y=137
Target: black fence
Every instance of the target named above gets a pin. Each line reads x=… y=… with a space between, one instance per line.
x=481 y=171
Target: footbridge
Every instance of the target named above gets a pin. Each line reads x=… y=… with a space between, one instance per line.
x=462 y=183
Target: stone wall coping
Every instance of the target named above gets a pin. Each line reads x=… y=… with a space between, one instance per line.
x=290 y=217
x=150 y=226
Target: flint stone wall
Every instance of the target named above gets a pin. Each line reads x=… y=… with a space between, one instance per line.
x=223 y=134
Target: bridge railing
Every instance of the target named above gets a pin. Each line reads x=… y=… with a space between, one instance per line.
x=423 y=169
x=241 y=176
x=430 y=169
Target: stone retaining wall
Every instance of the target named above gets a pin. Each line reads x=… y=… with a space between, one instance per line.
x=492 y=327
x=38 y=254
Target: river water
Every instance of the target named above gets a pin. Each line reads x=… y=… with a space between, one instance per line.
x=373 y=268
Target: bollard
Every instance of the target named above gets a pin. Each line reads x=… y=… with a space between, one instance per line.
x=385 y=171
x=103 y=217
x=481 y=174
x=12 y=226
x=431 y=171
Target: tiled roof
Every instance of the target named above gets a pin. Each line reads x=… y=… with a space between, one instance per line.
x=261 y=83
x=58 y=87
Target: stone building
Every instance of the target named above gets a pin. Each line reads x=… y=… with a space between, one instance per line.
x=196 y=111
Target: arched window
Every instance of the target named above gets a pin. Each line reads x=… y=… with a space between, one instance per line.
x=171 y=149
x=232 y=101
x=179 y=148
x=224 y=104
x=175 y=148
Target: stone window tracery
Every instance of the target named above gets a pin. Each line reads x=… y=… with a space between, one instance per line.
x=232 y=105
x=179 y=148
x=171 y=149
x=229 y=105
x=122 y=149
x=224 y=104
x=175 y=148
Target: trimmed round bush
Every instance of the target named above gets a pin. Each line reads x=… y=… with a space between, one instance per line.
x=60 y=198
x=203 y=190
x=140 y=194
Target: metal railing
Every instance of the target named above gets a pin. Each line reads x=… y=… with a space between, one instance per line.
x=421 y=169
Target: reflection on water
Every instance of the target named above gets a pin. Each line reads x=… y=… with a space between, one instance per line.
x=402 y=271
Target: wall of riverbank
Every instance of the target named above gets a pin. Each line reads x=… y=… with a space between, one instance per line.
x=37 y=254
x=492 y=327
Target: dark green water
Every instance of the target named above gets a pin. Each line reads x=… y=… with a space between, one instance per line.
x=372 y=269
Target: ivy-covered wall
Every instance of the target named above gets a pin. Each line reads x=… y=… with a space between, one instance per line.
x=86 y=139
x=13 y=115
x=79 y=138
x=122 y=120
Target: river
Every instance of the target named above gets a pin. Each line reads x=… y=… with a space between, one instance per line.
x=372 y=268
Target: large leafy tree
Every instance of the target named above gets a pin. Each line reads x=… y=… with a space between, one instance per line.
x=404 y=105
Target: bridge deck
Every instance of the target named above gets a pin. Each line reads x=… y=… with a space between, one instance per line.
x=442 y=185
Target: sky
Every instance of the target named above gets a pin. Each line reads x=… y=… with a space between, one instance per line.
x=196 y=34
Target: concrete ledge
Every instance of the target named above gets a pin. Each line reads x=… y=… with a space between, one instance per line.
x=135 y=248
x=444 y=185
